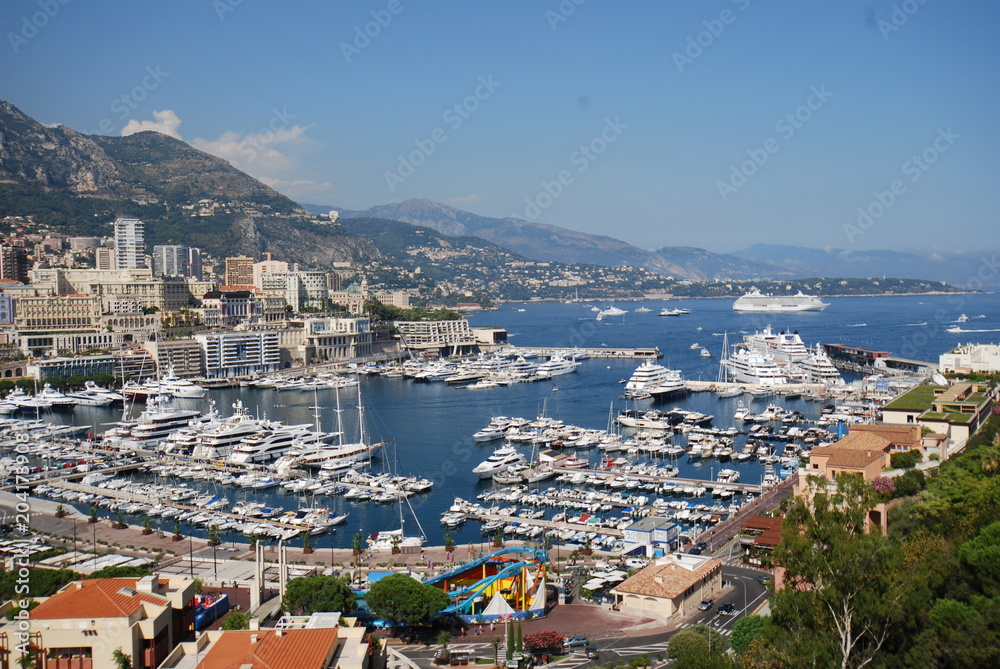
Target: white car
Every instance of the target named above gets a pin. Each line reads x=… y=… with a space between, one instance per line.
x=635 y=563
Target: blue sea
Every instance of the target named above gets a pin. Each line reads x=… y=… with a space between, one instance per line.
x=430 y=424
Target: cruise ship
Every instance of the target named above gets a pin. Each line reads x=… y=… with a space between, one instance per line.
x=783 y=346
x=647 y=375
x=757 y=301
x=557 y=365
x=749 y=366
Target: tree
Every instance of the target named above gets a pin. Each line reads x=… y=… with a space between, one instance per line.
x=28 y=659
x=518 y=640
x=313 y=594
x=495 y=642
x=237 y=620
x=745 y=630
x=402 y=600
x=119 y=572
x=844 y=583
x=546 y=640
x=699 y=647
x=41 y=582
x=444 y=638
x=122 y=661
x=982 y=555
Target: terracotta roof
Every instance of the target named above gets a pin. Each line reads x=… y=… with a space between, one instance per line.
x=97 y=598
x=768 y=539
x=763 y=523
x=897 y=434
x=295 y=649
x=667 y=580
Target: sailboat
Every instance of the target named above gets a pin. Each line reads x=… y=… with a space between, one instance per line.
x=397 y=539
x=726 y=389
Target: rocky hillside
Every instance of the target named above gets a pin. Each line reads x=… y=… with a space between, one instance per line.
x=77 y=184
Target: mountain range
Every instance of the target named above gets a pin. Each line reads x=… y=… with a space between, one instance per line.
x=77 y=184
x=759 y=262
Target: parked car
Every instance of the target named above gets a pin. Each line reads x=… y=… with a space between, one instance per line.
x=764 y=579
x=635 y=563
x=578 y=640
x=706 y=604
x=592 y=653
x=727 y=609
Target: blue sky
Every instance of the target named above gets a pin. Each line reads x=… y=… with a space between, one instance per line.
x=709 y=124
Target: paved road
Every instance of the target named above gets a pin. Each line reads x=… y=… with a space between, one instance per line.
x=745 y=592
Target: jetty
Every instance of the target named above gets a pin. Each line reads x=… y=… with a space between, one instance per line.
x=646 y=353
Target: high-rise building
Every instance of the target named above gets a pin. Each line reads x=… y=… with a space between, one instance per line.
x=14 y=263
x=104 y=258
x=239 y=271
x=130 y=243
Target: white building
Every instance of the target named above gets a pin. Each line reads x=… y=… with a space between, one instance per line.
x=233 y=354
x=971 y=358
x=130 y=243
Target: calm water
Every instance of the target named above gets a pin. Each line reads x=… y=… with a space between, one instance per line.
x=431 y=423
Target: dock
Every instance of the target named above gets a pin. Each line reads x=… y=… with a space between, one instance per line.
x=609 y=474
x=647 y=353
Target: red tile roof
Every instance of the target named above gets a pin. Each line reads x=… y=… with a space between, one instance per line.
x=97 y=598
x=294 y=649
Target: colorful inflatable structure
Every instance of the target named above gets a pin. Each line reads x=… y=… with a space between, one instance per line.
x=507 y=584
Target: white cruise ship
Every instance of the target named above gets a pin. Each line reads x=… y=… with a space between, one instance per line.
x=748 y=366
x=647 y=375
x=819 y=369
x=557 y=365
x=757 y=301
x=785 y=346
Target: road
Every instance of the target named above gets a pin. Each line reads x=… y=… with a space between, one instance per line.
x=747 y=594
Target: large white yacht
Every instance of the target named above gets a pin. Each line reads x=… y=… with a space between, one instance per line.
x=93 y=395
x=217 y=443
x=758 y=301
x=271 y=443
x=499 y=461
x=672 y=385
x=153 y=425
x=819 y=369
x=557 y=365
x=749 y=366
x=785 y=346
x=647 y=375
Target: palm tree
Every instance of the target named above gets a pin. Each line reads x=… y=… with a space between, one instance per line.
x=495 y=642
x=122 y=661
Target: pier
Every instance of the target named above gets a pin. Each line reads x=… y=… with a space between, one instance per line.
x=648 y=353
x=609 y=474
x=544 y=524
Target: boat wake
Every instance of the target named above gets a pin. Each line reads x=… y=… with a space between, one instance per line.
x=916 y=325
x=857 y=325
x=963 y=330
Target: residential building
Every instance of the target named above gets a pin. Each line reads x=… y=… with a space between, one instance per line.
x=229 y=308
x=176 y=260
x=65 y=367
x=318 y=641
x=84 y=623
x=318 y=340
x=300 y=290
x=104 y=259
x=236 y=354
x=14 y=263
x=239 y=271
x=183 y=357
x=969 y=358
x=7 y=310
x=956 y=411
x=84 y=243
x=671 y=587
x=130 y=243
x=268 y=266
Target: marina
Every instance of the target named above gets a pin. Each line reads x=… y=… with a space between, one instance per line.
x=427 y=429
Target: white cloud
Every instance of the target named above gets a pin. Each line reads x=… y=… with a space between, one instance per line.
x=263 y=152
x=465 y=199
x=166 y=122
x=303 y=190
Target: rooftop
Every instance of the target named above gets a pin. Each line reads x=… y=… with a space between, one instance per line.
x=272 y=649
x=670 y=576
x=97 y=598
x=919 y=398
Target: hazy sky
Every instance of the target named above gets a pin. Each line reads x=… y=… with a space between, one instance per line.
x=711 y=124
